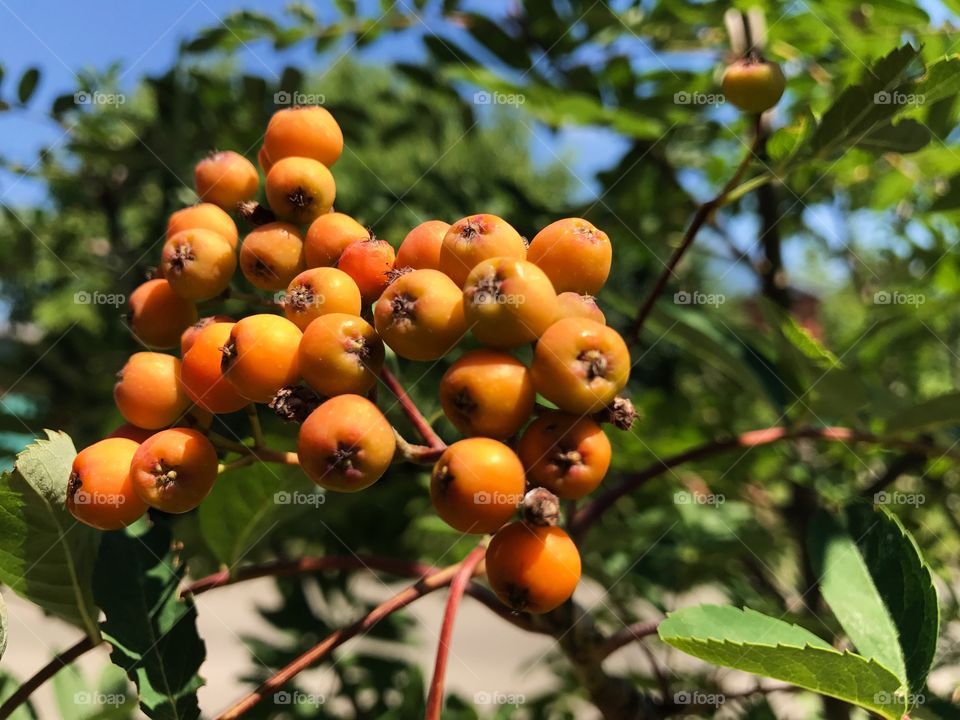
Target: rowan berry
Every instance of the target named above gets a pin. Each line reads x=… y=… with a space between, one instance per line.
x=204 y=216
x=340 y=354
x=753 y=85
x=300 y=189
x=309 y=132
x=573 y=304
x=201 y=376
x=328 y=236
x=148 y=392
x=174 y=470
x=225 y=179
x=474 y=239
x=100 y=492
x=190 y=335
x=198 y=264
x=420 y=249
x=320 y=291
x=566 y=454
x=574 y=254
x=272 y=255
x=260 y=356
x=158 y=315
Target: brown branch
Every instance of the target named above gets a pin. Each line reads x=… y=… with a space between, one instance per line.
x=424 y=586
x=627 y=635
x=411 y=410
x=700 y=216
x=587 y=516
x=457 y=587
x=22 y=693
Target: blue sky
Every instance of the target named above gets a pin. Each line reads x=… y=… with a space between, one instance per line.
x=142 y=37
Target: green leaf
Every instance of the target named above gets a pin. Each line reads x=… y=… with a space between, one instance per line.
x=245 y=504
x=906 y=136
x=863 y=108
x=47 y=556
x=28 y=84
x=877 y=584
x=941 y=81
x=937 y=411
x=153 y=632
x=755 y=643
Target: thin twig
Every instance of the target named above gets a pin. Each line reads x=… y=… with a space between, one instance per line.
x=457 y=587
x=423 y=587
x=255 y=428
x=592 y=512
x=411 y=410
x=22 y=693
x=700 y=217
x=627 y=635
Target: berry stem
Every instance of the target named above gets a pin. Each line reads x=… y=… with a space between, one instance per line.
x=457 y=587
x=411 y=410
x=255 y=453
x=700 y=217
x=58 y=662
x=589 y=515
x=635 y=631
x=420 y=454
x=255 y=427
x=426 y=585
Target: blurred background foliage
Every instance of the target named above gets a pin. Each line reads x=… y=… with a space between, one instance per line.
x=836 y=272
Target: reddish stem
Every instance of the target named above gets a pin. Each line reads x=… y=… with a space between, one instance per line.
x=457 y=588
x=700 y=217
x=45 y=673
x=422 y=587
x=282 y=568
x=587 y=516
x=411 y=410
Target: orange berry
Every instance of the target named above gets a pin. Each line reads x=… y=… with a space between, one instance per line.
x=420 y=249
x=190 y=335
x=309 y=132
x=148 y=392
x=566 y=454
x=477 y=485
x=474 y=239
x=174 y=470
x=100 y=492
x=198 y=264
x=300 y=189
x=369 y=263
x=573 y=304
x=753 y=85
x=580 y=365
x=131 y=432
x=204 y=216
x=329 y=235
x=574 y=254
x=508 y=302
x=272 y=255
x=225 y=179
x=320 y=291
x=346 y=444
x=340 y=354
x=264 y=160
x=531 y=568
x=487 y=393
x=260 y=356
x=158 y=315
x=420 y=315
x=201 y=376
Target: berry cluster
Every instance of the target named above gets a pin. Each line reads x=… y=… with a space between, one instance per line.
x=346 y=297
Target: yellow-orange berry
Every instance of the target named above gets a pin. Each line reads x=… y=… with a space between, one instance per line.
x=158 y=315
x=174 y=470
x=100 y=492
x=320 y=291
x=260 y=356
x=566 y=454
x=198 y=264
x=329 y=235
x=203 y=216
x=346 y=444
x=420 y=249
x=309 y=132
x=368 y=262
x=201 y=375
x=574 y=254
x=148 y=392
x=225 y=179
x=300 y=189
x=420 y=315
x=487 y=393
x=340 y=354
x=571 y=304
x=474 y=239
x=272 y=255
x=190 y=335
